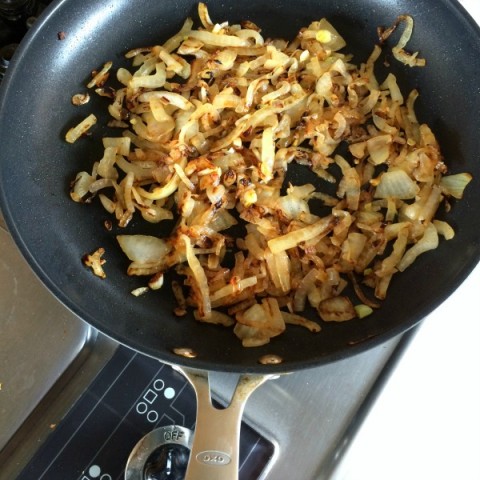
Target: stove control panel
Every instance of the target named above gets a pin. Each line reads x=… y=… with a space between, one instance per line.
x=136 y=408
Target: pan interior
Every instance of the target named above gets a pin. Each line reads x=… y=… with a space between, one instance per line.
x=54 y=233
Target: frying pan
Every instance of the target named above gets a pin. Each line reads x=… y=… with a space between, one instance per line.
x=53 y=233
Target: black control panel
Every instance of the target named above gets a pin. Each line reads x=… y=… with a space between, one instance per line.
x=131 y=396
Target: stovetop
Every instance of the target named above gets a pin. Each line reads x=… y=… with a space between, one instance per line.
x=71 y=408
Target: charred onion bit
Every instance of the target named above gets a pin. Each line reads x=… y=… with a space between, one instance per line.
x=95 y=261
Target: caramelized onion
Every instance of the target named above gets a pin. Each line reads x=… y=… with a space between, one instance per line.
x=211 y=122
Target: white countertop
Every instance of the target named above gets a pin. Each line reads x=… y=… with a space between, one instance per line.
x=426 y=423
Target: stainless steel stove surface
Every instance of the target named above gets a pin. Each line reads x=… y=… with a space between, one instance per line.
x=71 y=408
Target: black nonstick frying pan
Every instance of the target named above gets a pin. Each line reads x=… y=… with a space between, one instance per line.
x=53 y=233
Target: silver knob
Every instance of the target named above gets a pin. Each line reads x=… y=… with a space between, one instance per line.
x=162 y=454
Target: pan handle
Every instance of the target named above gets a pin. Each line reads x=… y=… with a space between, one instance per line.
x=215 y=449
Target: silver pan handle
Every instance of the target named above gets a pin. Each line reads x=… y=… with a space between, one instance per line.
x=215 y=450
